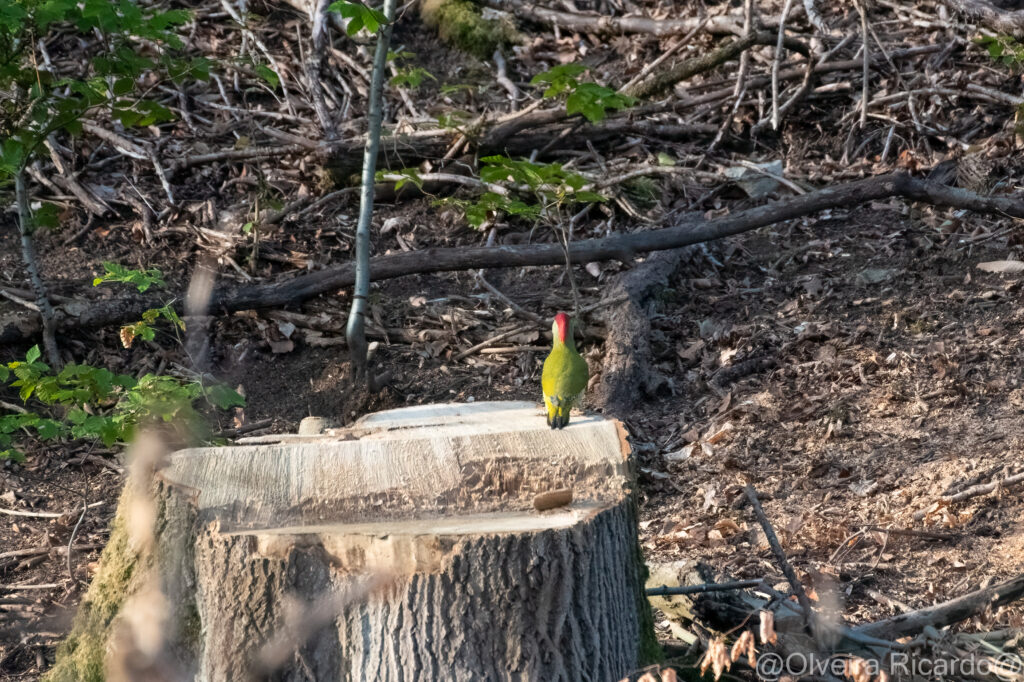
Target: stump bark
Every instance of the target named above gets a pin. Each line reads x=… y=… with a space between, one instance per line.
x=405 y=547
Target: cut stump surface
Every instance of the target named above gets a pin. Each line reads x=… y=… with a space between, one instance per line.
x=406 y=547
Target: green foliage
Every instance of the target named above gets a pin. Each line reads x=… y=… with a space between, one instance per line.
x=144 y=329
x=411 y=77
x=140 y=279
x=268 y=74
x=360 y=16
x=490 y=204
x=1004 y=49
x=559 y=79
x=408 y=76
x=137 y=41
x=86 y=402
x=548 y=180
x=408 y=175
x=591 y=100
x=549 y=186
x=453 y=120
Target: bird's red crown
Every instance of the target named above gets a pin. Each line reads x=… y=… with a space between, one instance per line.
x=561 y=326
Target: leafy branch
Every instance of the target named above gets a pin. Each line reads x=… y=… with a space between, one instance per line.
x=591 y=100
x=534 y=191
x=86 y=402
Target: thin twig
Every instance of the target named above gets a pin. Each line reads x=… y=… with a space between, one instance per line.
x=20 y=301
x=665 y=591
x=741 y=78
x=39 y=551
x=865 y=91
x=527 y=327
x=41 y=514
x=29 y=586
x=494 y=339
x=314 y=64
x=777 y=61
x=648 y=68
x=246 y=31
x=74 y=534
x=780 y=555
x=28 y=254
x=519 y=310
x=503 y=80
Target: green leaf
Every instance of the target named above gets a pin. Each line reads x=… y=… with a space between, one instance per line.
x=122 y=86
x=13 y=455
x=12 y=154
x=408 y=175
x=174 y=17
x=411 y=78
x=589 y=197
x=559 y=78
x=140 y=279
x=593 y=101
x=360 y=16
x=33 y=354
x=47 y=215
x=269 y=75
x=355 y=25
x=48 y=429
x=12 y=17
x=53 y=11
x=223 y=396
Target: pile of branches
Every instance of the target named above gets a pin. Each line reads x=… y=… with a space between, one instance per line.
x=882 y=87
x=796 y=636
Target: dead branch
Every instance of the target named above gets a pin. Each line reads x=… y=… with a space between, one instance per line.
x=780 y=554
x=314 y=64
x=40 y=551
x=988 y=15
x=343 y=157
x=19 y=327
x=603 y=24
x=661 y=81
x=976 y=491
x=665 y=590
x=28 y=254
x=625 y=370
x=946 y=613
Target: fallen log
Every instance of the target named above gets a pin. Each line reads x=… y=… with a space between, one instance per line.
x=1004 y=19
x=24 y=325
x=405 y=547
x=946 y=613
x=603 y=24
x=625 y=369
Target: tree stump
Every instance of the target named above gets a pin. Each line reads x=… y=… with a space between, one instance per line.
x=408 y=546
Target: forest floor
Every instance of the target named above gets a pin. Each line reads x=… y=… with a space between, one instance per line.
x=854 y=367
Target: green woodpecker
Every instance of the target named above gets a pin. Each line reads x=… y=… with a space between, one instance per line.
x=565 y=373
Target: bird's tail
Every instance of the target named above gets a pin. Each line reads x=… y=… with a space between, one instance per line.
x=558 y=413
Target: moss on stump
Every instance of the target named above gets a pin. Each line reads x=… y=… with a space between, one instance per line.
x=461 y=24
x=80 y=658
